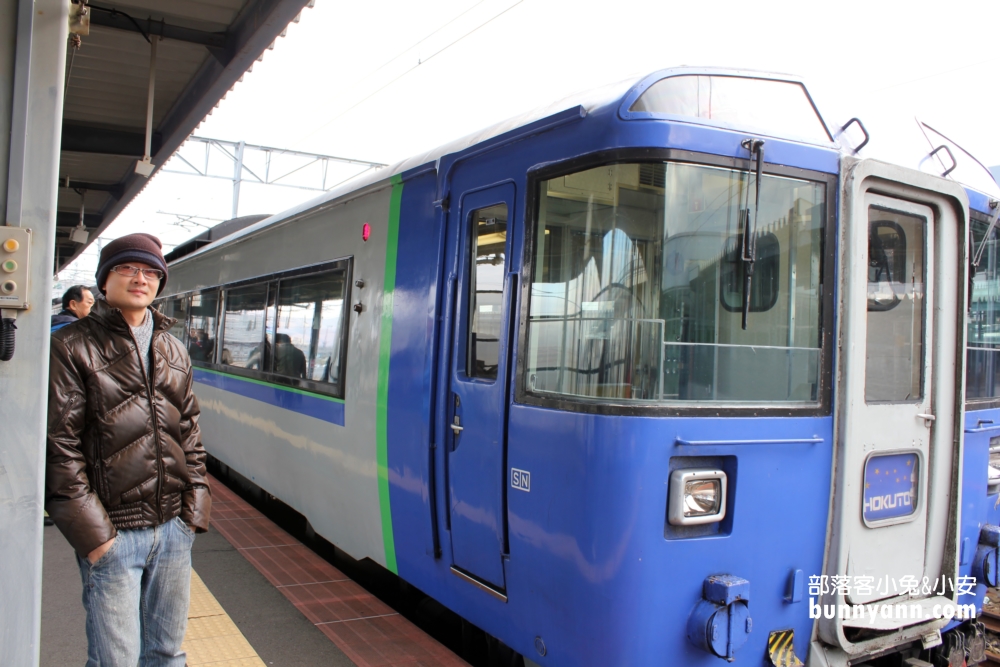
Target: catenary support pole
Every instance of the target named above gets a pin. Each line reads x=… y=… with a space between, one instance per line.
x=33 y=38
x=237 y=177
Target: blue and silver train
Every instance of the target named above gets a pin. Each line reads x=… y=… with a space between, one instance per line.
x=661 y=375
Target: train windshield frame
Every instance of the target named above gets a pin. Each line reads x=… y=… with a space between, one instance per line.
x=634 y=286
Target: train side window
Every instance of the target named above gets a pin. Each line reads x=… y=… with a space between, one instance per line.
x=309 y=328
x=203 y=326
x=243 y=343
x=270 y=314
x=489 y=243
x=764 y=286
x=177 y=308
x=983 y=346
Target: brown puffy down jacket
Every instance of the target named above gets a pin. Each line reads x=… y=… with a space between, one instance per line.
x=116 y=458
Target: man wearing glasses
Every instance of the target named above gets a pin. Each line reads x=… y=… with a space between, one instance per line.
x=125 y=480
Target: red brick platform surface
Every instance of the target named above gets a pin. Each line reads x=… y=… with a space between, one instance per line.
x=367 y=630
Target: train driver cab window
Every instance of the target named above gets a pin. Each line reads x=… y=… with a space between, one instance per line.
x=243 y=335
x=177 y=308
x=894 y=348
x=489 y=243
x=636 y=291
x=310 y=328
x=203 y=326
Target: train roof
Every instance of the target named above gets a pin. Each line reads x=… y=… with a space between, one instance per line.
x=610 y=95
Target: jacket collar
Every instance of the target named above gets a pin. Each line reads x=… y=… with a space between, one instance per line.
x=113 y=319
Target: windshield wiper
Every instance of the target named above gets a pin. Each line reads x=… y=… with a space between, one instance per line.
x=748 y=244
x=978 y=255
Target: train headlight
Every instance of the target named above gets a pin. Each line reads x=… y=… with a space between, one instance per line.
x=696 y=497
x=993 y=483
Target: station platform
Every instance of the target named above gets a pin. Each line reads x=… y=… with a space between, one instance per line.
x=259 y=597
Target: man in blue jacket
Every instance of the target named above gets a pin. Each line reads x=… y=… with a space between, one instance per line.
x=76 y=303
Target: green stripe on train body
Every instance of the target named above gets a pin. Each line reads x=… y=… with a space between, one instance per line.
x=385 y=350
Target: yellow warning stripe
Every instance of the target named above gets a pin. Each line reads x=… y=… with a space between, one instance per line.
x=781 y=649
x=212 y=639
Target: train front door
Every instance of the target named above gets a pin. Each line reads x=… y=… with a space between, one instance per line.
x=898 y=400
x=485 y=284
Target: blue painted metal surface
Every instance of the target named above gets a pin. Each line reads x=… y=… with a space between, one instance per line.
x=312 y=405
x=978 y=508
x=978 y=201
x=593 y=528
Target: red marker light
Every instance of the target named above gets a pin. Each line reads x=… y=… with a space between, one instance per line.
x=366 y=231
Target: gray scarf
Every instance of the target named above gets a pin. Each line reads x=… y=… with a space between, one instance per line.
x=144 y=338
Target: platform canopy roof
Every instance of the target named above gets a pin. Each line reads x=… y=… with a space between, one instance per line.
x=205 y=48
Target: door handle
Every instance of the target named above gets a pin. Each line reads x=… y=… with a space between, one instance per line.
x=928 y=419
x=456 y=429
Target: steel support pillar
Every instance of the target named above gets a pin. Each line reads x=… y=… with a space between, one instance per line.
x=237 y=178
x=33 y=36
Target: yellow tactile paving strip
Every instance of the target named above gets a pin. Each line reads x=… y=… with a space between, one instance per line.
x=212 y=638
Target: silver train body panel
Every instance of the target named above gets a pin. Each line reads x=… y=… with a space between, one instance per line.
x=325 y=471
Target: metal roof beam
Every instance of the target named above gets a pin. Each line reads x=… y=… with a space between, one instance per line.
x=116 y=190
x=109 y=17
x=80 y=138
x=70 y=219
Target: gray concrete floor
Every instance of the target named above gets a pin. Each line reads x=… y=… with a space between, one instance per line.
x=64 y=636
x=279 y=633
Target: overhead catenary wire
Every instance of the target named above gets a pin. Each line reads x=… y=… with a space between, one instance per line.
x=420 y=62
x=400 y=54
x=423 y=39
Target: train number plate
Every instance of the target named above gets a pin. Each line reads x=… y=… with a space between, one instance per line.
x=890 y=486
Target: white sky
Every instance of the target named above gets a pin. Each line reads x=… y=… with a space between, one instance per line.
x=384 y=81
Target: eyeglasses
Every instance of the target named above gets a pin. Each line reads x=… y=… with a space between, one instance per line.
x=133 y=271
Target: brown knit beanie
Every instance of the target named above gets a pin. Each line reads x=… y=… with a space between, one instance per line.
x=140 y=247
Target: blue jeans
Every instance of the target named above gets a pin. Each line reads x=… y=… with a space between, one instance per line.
x=136 y=597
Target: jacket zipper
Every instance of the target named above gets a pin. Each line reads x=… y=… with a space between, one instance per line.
x=147 y=378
